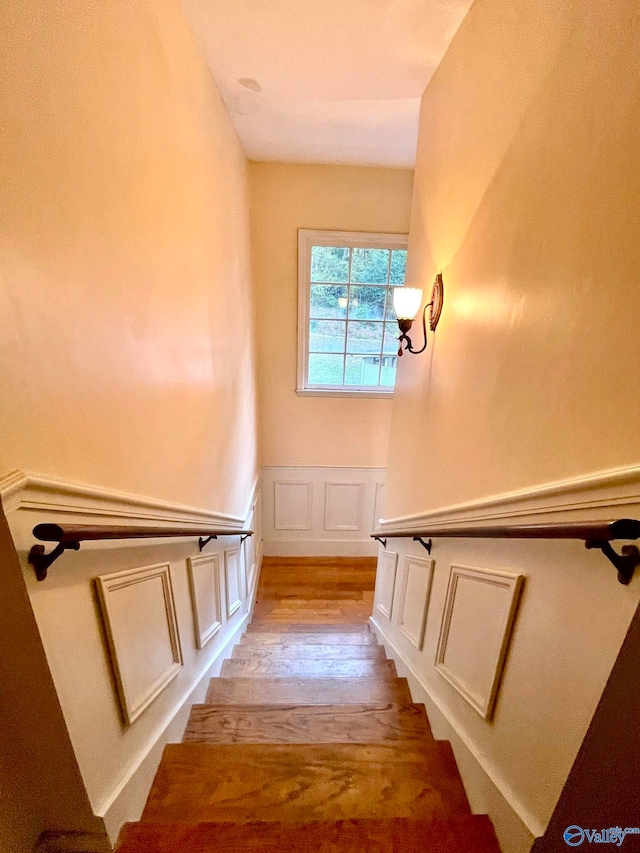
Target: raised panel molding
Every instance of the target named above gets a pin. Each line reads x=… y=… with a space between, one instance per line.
x=139 y=614
x=413 y=598
x=249 y=556
x=385 y=582
x=378 y=505
x=233 y=580
x=292 y=503
x=343 y=506
x=478 y=616
x=204 y=586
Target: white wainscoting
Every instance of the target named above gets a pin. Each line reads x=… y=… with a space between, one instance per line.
x=140 y=621
x=476 y=627
x=204 y=585
x=414 y=590
x=145 y=653
x=234 y=585
x=385 y=583
x=343 y=506
x=292 y=504
x=312 y=511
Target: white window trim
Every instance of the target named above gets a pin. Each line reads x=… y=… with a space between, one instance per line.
x=351 y=239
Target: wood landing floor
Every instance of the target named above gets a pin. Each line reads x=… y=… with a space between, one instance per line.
x=308 y=742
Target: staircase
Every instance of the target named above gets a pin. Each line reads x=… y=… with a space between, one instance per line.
x=308 y=741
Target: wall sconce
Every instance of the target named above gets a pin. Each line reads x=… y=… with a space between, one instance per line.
x=406 y=302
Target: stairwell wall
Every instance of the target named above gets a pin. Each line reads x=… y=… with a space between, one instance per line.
x=128 y=362
x=319 y=452
x=526 y=198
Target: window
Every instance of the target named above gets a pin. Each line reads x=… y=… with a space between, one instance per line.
x=347 y=329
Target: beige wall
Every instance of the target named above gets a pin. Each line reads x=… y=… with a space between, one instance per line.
x=126 y=334
x=526 y=197
x=125 y=307
x=313 y=430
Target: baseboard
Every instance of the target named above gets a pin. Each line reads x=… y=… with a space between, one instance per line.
x=487 y=790
x=126 y=801
x=320 y=548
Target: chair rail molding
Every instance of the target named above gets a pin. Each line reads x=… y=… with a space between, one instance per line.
x=583 y=498
x=23 y=490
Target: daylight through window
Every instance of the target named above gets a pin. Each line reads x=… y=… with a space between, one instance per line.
x=347 y=325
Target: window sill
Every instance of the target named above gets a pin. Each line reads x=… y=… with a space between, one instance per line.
x=334 y=392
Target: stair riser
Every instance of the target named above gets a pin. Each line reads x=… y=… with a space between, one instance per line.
x=461 y=835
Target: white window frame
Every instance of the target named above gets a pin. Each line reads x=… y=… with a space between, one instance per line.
x=348 y=239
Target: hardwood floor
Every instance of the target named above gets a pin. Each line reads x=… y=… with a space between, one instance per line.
x=308 y=741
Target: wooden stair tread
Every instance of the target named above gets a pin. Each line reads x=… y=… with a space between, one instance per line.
x=282 y=782
x=306 y=691
x=299 y=607
x=308 y=668
x=306 y=723
x=465 y=834
x=315 y=651
x=312 y=628
x=289 y=638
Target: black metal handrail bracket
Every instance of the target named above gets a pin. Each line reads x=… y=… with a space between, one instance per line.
x=594 y=534
x=69 y=537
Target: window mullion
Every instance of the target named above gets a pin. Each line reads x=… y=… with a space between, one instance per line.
x=324 y=363
x=347 y=317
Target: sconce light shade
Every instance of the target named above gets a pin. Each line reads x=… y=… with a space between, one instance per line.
x=406 y=302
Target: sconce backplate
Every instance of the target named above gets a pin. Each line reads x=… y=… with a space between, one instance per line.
x=437 y=299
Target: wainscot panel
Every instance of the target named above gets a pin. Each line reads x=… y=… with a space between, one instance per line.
x=321 y=511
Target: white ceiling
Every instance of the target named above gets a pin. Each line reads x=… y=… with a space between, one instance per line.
x=340 y=80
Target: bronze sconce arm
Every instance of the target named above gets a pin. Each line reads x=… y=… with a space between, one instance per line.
x=405 y=323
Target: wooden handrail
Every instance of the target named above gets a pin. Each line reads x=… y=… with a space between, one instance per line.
x=69 y=537
x=595 y=534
